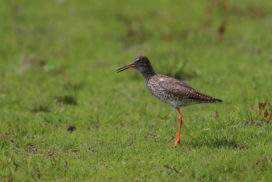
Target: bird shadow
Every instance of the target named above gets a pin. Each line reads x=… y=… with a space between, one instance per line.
x=216 y=143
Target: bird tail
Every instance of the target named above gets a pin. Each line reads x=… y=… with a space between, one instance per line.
x=205 y=98
x=217 y=100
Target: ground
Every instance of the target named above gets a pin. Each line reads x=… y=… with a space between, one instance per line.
x=66 y=115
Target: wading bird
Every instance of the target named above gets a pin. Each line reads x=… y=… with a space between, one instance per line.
x=167 y=89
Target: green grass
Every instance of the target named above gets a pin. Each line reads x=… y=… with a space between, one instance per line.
x=57 y=71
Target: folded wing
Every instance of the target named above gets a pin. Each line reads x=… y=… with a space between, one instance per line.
x=183 y=91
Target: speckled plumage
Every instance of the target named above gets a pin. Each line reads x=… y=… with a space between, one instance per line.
x=175 y=92
x=167 y=89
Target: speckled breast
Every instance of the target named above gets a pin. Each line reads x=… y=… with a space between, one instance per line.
x=159 y=92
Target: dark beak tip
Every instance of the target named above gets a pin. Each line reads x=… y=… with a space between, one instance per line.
x=121 y=69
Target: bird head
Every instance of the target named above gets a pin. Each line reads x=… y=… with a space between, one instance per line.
x=141 y=63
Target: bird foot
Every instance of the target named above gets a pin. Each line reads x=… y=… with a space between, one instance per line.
x=176 y=143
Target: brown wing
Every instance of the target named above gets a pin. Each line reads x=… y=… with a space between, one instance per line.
x=182 y=90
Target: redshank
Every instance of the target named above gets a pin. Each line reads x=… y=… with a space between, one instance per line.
x=167 y=89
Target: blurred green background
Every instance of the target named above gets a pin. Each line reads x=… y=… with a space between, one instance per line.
x=66 y=115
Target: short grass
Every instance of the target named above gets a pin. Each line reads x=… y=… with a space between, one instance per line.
x=65 y=114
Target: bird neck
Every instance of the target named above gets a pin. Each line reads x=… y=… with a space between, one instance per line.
x=147 y=72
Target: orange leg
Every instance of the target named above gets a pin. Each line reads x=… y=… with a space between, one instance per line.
x=180 y=123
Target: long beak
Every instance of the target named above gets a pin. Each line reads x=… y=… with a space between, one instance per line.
x=132 y=65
